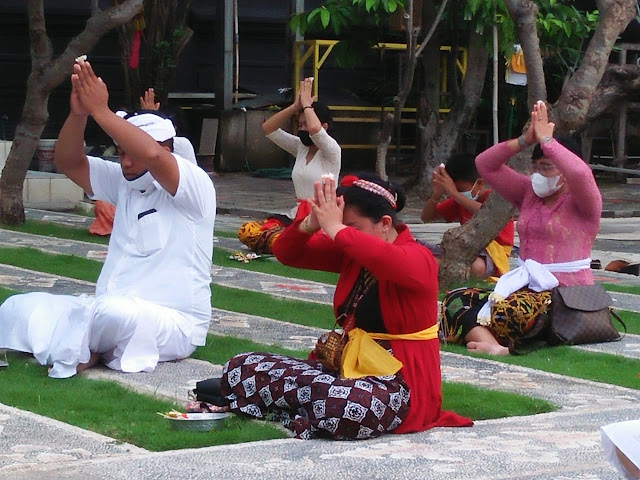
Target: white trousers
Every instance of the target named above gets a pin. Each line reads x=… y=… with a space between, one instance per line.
x=131 y=334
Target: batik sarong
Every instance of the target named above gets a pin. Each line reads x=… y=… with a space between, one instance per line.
x=311 y=402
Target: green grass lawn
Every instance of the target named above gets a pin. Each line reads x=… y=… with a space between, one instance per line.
x=484 y=404
x=48 y=229
x=272 y=266
x=70 y=266
x=264 y=305
x=220 y=348
x=614 y=287
x=564 y=360
x=112 y=410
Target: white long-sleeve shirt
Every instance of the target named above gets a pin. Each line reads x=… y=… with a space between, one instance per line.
x=326 y=160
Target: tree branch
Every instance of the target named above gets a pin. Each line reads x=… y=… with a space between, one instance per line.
x=618 y=83
x=384 y=135
x=97 y=26
x=432 y=30
x=465 y=108
x=524 y=13
x=40 y=45
x=577 y=94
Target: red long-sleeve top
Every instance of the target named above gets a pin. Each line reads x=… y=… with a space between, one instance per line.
x=407 y=277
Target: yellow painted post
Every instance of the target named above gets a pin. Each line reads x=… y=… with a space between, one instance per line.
x=296 y=68
x=306 y=49
x=316 y=68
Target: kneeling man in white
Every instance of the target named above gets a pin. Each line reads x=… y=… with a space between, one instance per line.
x=152 y=300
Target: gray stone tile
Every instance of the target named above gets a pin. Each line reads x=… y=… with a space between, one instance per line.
x=28 y=440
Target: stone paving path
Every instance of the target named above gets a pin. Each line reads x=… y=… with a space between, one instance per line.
x=560 y=445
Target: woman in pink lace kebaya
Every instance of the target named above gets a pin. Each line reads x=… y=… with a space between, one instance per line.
x=560 y=208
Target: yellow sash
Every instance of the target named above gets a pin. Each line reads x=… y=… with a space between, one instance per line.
x=499 y=254
x=363 y=356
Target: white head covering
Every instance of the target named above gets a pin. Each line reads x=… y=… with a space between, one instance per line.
x=160 y=129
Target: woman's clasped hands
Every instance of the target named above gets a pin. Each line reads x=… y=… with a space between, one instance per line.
x=326 y=208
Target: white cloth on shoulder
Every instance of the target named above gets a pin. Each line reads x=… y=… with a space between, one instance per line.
x=131 y=334
x=529 y=273
x=626 y=437
x=54 y=328
x=183 y=147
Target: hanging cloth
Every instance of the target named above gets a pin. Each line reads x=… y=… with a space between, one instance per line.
x=516 y=72
x=139 y=25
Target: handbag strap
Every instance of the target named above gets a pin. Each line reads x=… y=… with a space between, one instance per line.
x=615 y=315
x=360 y=287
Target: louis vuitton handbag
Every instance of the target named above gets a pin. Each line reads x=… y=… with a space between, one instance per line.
x=582 y=314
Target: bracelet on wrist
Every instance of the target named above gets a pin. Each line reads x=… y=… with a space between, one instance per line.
x=546 y=139
x=522 y=142
x=308 y=106
x=305 y=226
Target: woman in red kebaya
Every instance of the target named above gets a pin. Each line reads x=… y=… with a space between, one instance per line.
x=386 y=298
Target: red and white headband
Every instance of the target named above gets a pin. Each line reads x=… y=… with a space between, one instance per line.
x=352 y=180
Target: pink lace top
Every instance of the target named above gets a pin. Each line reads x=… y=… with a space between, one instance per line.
x=561 y=233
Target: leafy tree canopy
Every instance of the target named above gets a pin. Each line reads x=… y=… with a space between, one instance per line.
x=562 y=27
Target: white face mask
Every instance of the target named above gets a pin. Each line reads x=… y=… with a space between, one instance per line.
x=545 y=186
x=469 y=193
x=142 y=183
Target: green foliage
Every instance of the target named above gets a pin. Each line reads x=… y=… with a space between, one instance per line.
x=164 y=57
x=560 y=25
x=341 y=15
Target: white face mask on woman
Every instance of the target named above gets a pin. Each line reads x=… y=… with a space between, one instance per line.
x=545 y=186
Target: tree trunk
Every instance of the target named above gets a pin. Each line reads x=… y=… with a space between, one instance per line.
x=45 y=75
x=390 y=121
x=461 y=245
x=428 y=115
x=617 y=84
x=165 y=36
x=571 y=110
x=440 y=139
x=524 y=14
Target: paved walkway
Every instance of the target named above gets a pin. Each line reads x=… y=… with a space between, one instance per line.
x=560 y=445
x=243 y=195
